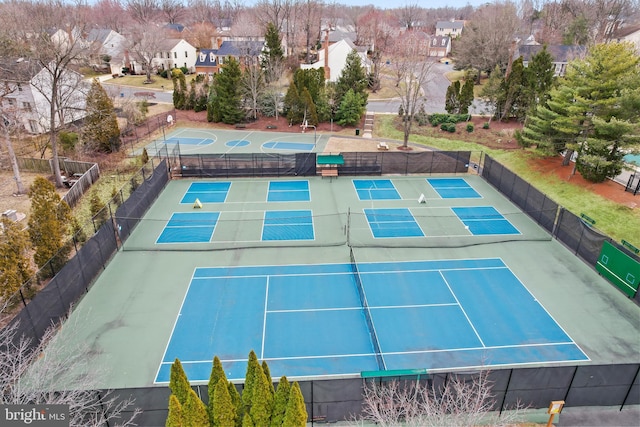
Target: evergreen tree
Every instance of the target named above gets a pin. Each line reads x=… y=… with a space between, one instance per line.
x=512 y=98
x=225 y=412
x=350 y=110
x=217 y=375
x=174 y=419
x=48 y=225
x=273 y=55
x=292 y=106
x=267 y=373
x=280 y=400
x=194 y=413
x=98 y=209
x=213 y=104
x=491 y=93
x=178 y=383
x=246 y=420
x=100 y=130
x=15 y=268
x=539 y=78
x=77 y=231
x=250 y=380
x=228 y=92
x=466 y=96
x=190 y=101
x=354 y=78
x=237 y=403
x=578 y=115
x=296 y=413
x=310 y=114
x=179 y=88
x=261 y=399
x=452 y=101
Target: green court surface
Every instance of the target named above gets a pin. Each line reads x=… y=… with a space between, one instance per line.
x=218 y=141
x=130 y=312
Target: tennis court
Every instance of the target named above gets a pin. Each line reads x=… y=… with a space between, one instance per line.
x=443 y=314
x=328 y=278
x=206 y=141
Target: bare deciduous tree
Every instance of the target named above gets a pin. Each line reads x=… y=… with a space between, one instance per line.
x=486 y=40
x=412 y=70
x=143 y=11
x=53 y=30
x=53 y=372
x=144 y=44
x=460 y=401
x=173 y=10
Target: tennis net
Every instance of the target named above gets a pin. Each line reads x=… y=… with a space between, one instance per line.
x=367 y=313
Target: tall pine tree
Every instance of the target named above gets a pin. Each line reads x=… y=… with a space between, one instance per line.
x=100 y=131
x=273 y=55
x=217 y=375
x=267 y=373
x=15 y=268
x=178 y=382
x=296 y=413
x=280 y=400
x=354 y=78
x=261 y=400
x=48 y=225
x=174 y=419
x=224 y=411
x=250 y=379
x=194 y=413
x=228 y=93
x=236 y=399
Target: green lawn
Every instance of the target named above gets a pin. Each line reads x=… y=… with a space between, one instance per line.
x=617 y=221
x=157 y=82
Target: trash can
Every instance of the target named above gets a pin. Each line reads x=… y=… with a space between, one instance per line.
x=357 y=131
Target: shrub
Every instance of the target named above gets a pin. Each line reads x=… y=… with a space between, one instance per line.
x=440 y=118
x=485 y=125
x=68 y=140
x=469 y=127
x=164 y=74
x=184 y=70
x=449 y=127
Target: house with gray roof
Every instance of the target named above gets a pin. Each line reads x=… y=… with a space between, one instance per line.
x=107 y=44
x=175 y=53
x=561 y=54
x=451 y=28
x=207 y=62
x=26 y=90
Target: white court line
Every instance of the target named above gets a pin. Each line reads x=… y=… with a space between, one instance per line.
x=264 y=320
x=462 y=308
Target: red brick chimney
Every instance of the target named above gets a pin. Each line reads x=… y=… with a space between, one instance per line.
x=327 y=70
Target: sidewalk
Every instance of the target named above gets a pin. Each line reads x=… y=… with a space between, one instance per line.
x=600 y=416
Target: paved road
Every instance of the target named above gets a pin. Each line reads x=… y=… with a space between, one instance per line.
x=434 y=92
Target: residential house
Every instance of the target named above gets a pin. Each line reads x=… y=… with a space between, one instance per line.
x=175 y=53
x=246 y=50
x=207 y=62
x=628 y=34
x=439 y=46
x=26 y=91
x=107 y=50
x=450 y=28
x=561 y=54
x=333 y=58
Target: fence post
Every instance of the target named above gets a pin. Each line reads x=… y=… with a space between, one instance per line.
x=566 y=395
x=506 y=390
x=630 y=387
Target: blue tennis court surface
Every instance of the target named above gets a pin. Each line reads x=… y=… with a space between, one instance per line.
x=376 y=189
x=237 y=143
x=453 y=188
x=207 y=192
x=189 y=141
x=392 y=223
x=288 y=225
x=484 y=220
x=294 y=146
x=307 y=320
x=189 y=227
x=288 y=191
